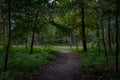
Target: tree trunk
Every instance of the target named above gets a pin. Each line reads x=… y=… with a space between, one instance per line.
x=42 y=37
x=83 y=31
x=109 y=31
x=26 y=42
x=3 y=27
x=103 y=40
x=70 y=42
x=33 y=33
x=9 y=36
x=117 y=34
x=98 y=35
x=76 y=41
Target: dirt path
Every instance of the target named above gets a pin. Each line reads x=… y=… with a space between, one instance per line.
x=64 y=68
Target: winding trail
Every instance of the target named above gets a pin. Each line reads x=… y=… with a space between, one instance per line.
x=64 y=68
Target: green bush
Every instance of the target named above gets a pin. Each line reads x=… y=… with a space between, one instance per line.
x=92 y=59
x=20 y=61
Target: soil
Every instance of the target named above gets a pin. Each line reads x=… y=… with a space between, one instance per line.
x=66 y=67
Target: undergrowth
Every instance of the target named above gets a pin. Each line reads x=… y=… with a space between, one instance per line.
x=92 y=59
x=20 y=61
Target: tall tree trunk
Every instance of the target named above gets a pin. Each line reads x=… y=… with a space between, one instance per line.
x=112 y=36
x=83 y=31
x=33 y=35
x=3 y=27
x=98 y=35
x=70 y=42
x=109 y=31
x=76 y=41
x=33 y=32
x=9 y=36
x=26 y=42
x=117 y=34
x=103 y=40
x=42 y=37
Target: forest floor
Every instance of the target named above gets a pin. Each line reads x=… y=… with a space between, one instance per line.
x=66 y=67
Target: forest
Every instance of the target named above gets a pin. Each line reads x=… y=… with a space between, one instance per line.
x=59 y=40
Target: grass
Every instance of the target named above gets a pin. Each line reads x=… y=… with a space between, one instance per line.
x=93 y=58
x=20 y=62
x=73 y=48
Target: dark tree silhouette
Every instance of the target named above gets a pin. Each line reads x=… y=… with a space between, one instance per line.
x=97 y=33
x=103 y=39
x=117 y=34
x=9 y=36
x=33 y=32
x=83 y=30
x=109 y=31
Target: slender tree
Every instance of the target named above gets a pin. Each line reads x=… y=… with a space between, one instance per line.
x=103 y=39
x=70 y=41
x=9 y=35
x=102 y=13
x=109 y=31
x=117 y=34
x=33 y=32
x=97 y=33
x=3 y=28
x=76 y=40
x=83 y=28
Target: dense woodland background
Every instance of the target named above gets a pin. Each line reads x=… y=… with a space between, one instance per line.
x=87 y=26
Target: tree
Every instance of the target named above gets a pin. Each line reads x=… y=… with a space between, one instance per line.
x=103 y=38
x=109 y=30
x=2 y=6
x=9 y=35
x=33 y=32
x=83 y=27
x=97 y=26
x=117 y=34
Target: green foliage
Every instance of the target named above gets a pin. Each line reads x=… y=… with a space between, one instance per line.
x=20 y=62
x=57 y=20
x=93 y=59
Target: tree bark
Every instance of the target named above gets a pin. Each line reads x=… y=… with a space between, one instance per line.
x=9 y=36
x=83 y=30
x=70 y=42
x=42 y=37
x=32 y=43
x=109 y=31
x=3 y=33
x=76 y=41
x=26 y=42
x=33 y=32
x=103 y=40
x=98 y=35
x=117 y=34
